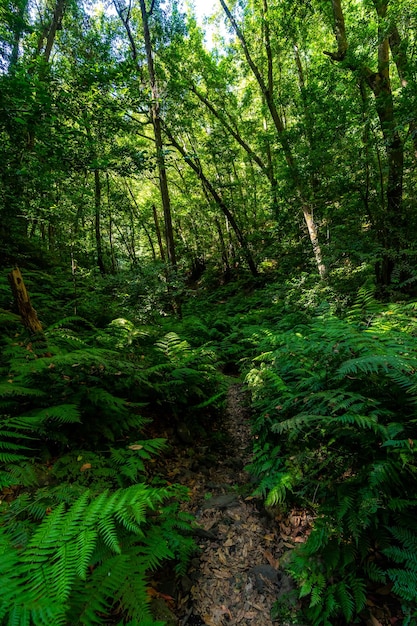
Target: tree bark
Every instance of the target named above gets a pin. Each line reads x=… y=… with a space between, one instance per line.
x=56 y=24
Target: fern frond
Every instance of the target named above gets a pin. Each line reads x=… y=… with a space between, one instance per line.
x=404 y=584
x=83 y=558
x=8 y=390
x=64 y=413
x=282 y=483
x=70 y=320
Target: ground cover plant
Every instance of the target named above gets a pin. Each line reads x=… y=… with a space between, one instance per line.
x=333 y=394
x=83 y=525
x=335 y=413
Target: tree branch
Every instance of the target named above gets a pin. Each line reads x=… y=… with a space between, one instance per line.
x=230 y=130
x=339 y=30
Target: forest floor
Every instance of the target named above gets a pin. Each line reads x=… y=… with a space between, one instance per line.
x=236 y=577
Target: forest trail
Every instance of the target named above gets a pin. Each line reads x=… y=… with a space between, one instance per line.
x=236 y=577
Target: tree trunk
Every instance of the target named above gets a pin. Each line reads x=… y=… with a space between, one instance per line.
x=23 y=304
x=156 y=122
x=268 y=94
x=56 y=24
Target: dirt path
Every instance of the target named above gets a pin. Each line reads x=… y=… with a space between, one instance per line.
x=236 y=579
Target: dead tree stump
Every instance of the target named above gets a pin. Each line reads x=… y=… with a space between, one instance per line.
x=23 y=304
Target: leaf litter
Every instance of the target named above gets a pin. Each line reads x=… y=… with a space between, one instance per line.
x=236 y=578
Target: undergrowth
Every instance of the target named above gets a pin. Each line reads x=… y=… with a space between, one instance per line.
x=82 y=525
x=334 y=393
x=335 y=412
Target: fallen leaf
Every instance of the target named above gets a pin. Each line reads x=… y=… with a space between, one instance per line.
x=222 y=557
x=135 y=446
x=218 y=611
x=84 y=467
x=229 y=542
x=156 y=594
x=271 y=560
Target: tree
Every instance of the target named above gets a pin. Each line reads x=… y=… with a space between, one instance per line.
x=266 y=86
x=154 y=108
x=391 y=222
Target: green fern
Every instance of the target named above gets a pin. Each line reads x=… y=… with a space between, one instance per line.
x=84 y=559
x=336 y=400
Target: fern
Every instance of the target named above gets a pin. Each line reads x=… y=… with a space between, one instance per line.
x=84 y=559
x=80 y=549
x=329 y=398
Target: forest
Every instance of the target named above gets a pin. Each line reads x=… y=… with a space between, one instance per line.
x=202 y=219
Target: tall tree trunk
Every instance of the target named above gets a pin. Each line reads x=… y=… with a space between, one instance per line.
x=156 y=122
x=196 y=167
x=267 y=90
x=97 y=221
x=391 y=226
x=56 y=24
